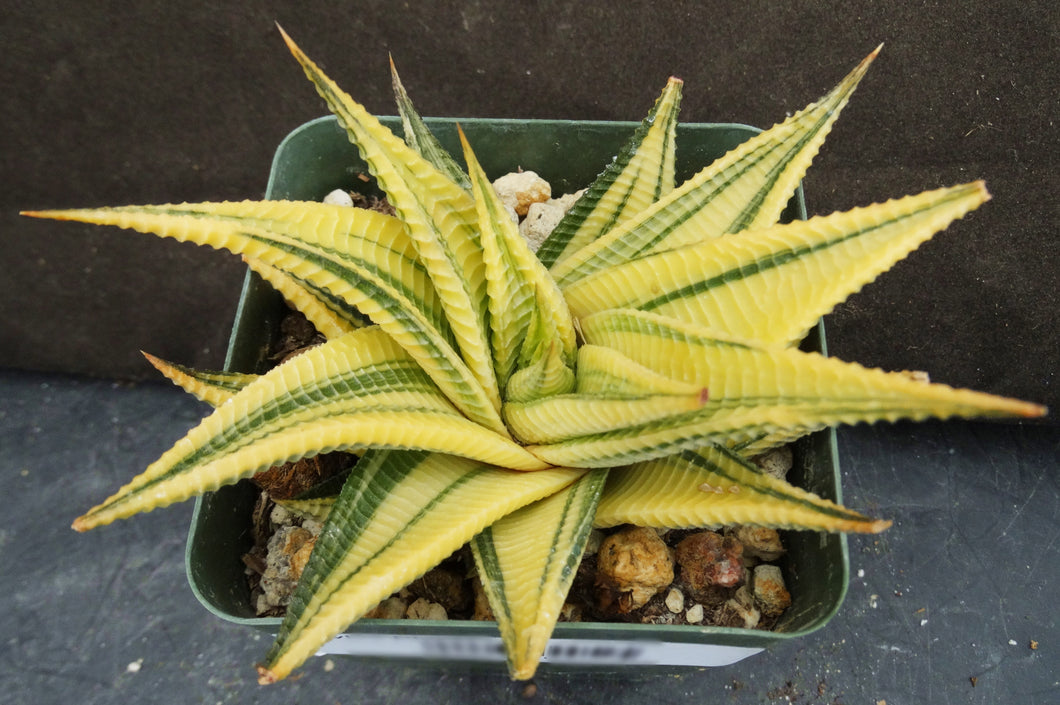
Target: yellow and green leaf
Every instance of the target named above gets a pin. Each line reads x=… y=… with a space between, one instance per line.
x=356 y=256
x=772 y=285
x=358 y=391
x=398 y=515
x=420 y=138
x=712 y=487
x=641 y=174
x=330 y=316
x=746 y=189
x=214 y=387
x=525 y=306
x=527 y=562
x=753 y=390
x=562 y=417
x=438 y=214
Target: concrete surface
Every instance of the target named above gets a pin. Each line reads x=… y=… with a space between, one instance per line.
x=957 y=589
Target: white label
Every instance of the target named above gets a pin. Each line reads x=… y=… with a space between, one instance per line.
x=561 y=651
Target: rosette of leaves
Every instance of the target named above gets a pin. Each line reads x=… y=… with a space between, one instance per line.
x=514 y=400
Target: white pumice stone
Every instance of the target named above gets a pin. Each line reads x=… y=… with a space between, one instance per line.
x=520 y=189
x=339 y=197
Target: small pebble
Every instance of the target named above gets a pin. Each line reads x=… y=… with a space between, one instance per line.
x=522 y=188
x=710 y=563
x=738 y=613
x=760 y=542
x=675 y=601
x=632 y=566
x=339 y=197
x=776 y=462
x=423 y=609
x=280 y=516
x=694 y=615
x=391 y=608
x=135 y=666
x=770 y=593
x=541 y=219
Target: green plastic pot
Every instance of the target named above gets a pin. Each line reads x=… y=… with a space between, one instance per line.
x=317 y=158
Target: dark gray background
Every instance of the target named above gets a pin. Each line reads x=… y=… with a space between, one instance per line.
x=112 y=102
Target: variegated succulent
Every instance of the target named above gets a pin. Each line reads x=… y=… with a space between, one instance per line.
x=514 y=400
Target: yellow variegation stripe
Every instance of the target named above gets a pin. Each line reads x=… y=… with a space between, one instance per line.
x=360 y=390
x=330 y=318
x=605 y=371
x=527 y=562
x=561 y=417
x=760 y=443
x=419 y=137
x=753 y=391
x=711 y=487
x=212 y=387
x=439 y=215
x=316 y=509
x=772 y=285
x=745 y=189
x=359 y=256
x=398 y=515
x=738 y=373
x=641 y=174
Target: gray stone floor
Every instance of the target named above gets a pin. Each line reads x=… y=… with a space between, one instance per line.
x=958 y=589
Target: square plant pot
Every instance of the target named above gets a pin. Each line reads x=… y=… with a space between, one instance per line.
x=317 y=158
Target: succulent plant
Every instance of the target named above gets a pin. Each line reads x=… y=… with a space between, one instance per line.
x=514 y=400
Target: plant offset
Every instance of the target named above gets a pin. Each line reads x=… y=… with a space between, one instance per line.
x=623 y=373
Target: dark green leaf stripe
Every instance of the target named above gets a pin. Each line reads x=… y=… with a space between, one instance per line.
x=577 y=522
x=626 y=321
x=659 y=223
x=327 y=398
x=730 y=467
x=419 y=137
x=450 y=257
x=776 y=259
x=489 y=565
x=359 y=501
x=420 y=310
x=559 y=242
